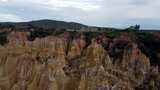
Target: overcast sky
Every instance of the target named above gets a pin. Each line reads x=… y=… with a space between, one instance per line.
x=112 y=13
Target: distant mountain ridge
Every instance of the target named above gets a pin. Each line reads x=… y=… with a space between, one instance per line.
x=45 y=24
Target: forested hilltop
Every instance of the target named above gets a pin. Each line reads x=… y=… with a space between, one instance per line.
x=43 y=24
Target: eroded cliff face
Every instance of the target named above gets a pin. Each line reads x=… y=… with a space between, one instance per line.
x=65 y=63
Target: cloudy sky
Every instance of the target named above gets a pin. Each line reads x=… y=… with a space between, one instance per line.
x=112 y=13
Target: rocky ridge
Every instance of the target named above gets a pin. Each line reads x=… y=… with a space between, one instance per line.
x=63 y=62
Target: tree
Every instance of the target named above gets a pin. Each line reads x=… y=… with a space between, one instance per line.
x=135 y=27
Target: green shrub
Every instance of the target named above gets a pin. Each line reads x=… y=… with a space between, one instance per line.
x=3 y=38
x=113 y=34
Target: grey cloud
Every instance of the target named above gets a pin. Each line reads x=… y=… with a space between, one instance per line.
x=115 y=13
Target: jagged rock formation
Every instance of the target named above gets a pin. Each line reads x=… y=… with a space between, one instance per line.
x=64 y=62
